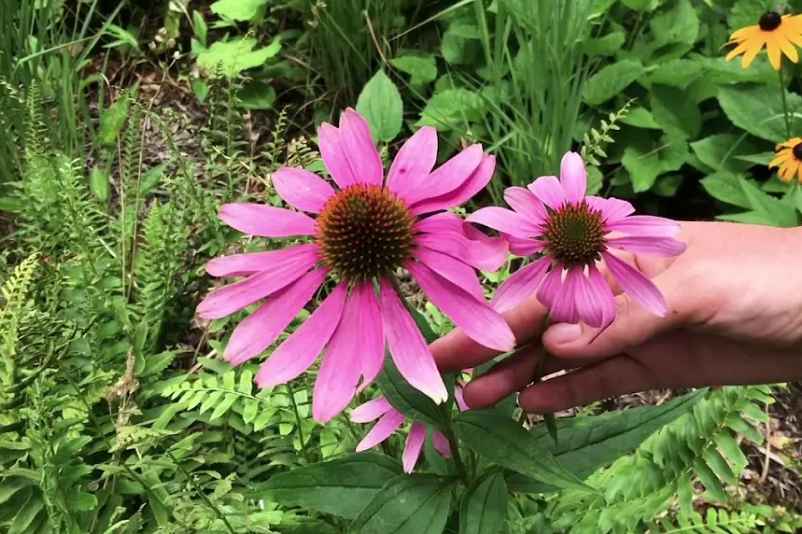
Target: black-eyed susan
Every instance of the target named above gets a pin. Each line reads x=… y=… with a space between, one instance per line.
x=788 y=159
x=780 y=34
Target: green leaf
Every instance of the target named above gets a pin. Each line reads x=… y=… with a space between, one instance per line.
x=257 y=95
x=758 y=110
x=199 y=27
x=611 y=80
x=112 y=120
x=730 y=449
x=675 y=112
x=640 y=117
x=710 y=481
x=720 y=152
x=243 y=10
x=504 y=442
x=484 y=507
x=407 y=399
x=341 y=487
x=99 y=183
x=679 y=73
x=236 y=55
x=451 y=107
x=422 y=69
x=640 y=5
x=607 y=45
x=726 y=187
x=680 y=24
x=380 y=103
x=408 y=504
x=26 y=515
x=774 y=211
x=745 y=13
x=645 y=160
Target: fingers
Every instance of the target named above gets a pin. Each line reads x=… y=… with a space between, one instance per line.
x=456 y=351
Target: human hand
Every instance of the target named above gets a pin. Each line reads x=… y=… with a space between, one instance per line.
x=735 y=318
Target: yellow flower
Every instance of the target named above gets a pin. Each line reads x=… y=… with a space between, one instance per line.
x=779 y=34
x=788 y=158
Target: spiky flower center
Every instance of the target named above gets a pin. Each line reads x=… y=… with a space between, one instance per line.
x=770 y=21
x=798 y=151
x=574 y=234
x=364 y=231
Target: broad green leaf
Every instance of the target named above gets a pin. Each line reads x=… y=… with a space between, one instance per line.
x=719 y=465
x=709 y=479
x=640 y=117
x=720 y=152
x=675 y=112
x=484 y=507
x=99 y=183
x=341 y=487
x=504 y=442
x=640 y=5
x=647 y=159
x=407 y=399
x=610 y=81
x=595 y=180
x=408 y=504
x=380 y=103
x=678 y=73
x=726 y=187
x=421 y=69
x=242 y=10
x=606 y=45
x=257 y=95
x=745 y=13
x=236 y=55
x=758 y=110
x=26 y=515
x=722 y=72
x=774 y=211
x=151 y=178
x=731 y=449
x=667 y=185
x=679 y=24
x=10 y=486
x=451 y=107
x=112 y=120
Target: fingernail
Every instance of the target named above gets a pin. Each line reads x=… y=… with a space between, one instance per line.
x=563 y=333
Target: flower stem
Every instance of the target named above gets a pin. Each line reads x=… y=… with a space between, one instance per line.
x=298 y=421
x=785 y=104
x=455 y=454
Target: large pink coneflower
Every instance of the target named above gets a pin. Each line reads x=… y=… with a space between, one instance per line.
x=570 y=234
x=365 y=230
x=390 y=420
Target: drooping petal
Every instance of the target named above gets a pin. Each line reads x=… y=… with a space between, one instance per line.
x=460 y=398
x=636 y=285
x=452 y=270
x=245 y=264
x=485 y=252
x=371 y=410
x=520 y=286
x=551 y=286
x=413 y=163
x=448 y=176
x=408 y=349
x=260 y=329
x=659 y=246
x=382 y=430
x=441 y=445
x=302 y=189
x=371 y=333
x=302 y=347
x=604 y=295
x=413 y=446
x=573 y=177
x=447 y=233
x=645 y=225
x=266 y=221
x=505 y=221
x=233 y=297
x=480 y=322
x=359 y=148
x=470 y=187
x=526 y=204
x=333 y=154
x=564 y=309
x=524 y=247
x=612 y=209
x=588 y=306
x=549 y=190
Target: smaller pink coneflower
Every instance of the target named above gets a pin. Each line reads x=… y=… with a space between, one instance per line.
x=570 y=235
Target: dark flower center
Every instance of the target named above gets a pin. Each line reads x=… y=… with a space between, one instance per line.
x=574 y=235
x=364 y=231
x=770 y=21
x=798 y=151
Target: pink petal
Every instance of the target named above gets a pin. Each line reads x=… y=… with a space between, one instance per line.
x=447 y=233
x=470 y=187
x=382 y=430
x=573 y=177
x=612 y=209
x=659 y=246
x=441 y=444
x=266 y=221
x=520 y=286
x=333 y=154
x=413 y=446
x=302 y=189
x=646 y=226
x=504 y=220
x=603 y=295
x=359 y=148
x=452 y=270
x=588 y=306
x=636 y=285
x=244 y=264
x=233 y=297
x=448 y=176
x=413 y=163
x=551 y=286
x=476 y=318
x=302 y=347
x=484 y=252
x=371 y=333
x=549 y=190
x=526 y=204
x=524 y=247
x=460 y=398
x=408 y=349
x=564 y=309
x=260 y=329
x=371 y=410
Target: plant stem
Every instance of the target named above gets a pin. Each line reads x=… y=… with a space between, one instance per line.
x=298 y=421
x=785 y=104
x=454 y=445
x=200 y=493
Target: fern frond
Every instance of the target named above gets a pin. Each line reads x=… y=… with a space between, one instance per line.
x=595 y=141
